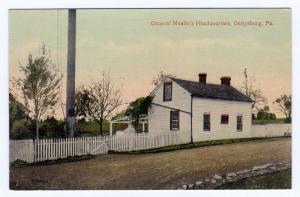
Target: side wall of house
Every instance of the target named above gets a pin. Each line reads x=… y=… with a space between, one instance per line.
x=216 y=108
x=159 y=116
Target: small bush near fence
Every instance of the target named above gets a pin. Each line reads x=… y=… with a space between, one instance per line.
x=26 y=129
x=20 y=163
x=267 y=121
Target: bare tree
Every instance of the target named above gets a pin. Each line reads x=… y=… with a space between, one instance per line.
x=39 y=86
x=254 y=93
x=284 y=104
x=104 y=99
x=160 y=77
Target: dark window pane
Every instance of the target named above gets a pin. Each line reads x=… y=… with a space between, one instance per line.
x=239 y=123
x=206 y=122
x=224 y=119
x=168 y=91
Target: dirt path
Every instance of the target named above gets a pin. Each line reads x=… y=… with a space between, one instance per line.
x=151 y=171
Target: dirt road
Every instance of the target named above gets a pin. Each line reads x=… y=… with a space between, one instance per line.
x=166 y=170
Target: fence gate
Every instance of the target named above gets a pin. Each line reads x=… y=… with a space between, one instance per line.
x=97 y=146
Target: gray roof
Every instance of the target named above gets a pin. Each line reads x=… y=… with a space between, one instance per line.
x=215 y=91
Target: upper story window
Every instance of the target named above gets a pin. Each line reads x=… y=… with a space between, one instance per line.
x=224 y=119
x=206 y=122
x=174 y=120
x=239 y=123
x=167 y=91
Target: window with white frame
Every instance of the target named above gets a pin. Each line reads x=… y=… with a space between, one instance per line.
x=174 y=120
x=206 y=122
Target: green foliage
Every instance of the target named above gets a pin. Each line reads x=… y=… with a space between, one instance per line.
x=264 y=114
x=52 y=128
x=17 y=111
x=21 y=129
x=137 y=108
x=284 y=104
x=98 y=101
x=88 y=128
x=275 y=180
x=39 y=86
x=82 y=102
x=264 y=121
x=18 y=163
x=49 y=128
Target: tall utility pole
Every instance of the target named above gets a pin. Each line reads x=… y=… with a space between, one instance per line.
x=70 y=107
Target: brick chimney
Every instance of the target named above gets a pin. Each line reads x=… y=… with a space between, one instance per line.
x=225 y=80
x=202 y=78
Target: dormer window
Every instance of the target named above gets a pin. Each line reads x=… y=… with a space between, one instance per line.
x=167 y=91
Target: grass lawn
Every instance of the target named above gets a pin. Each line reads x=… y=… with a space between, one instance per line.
x=275 y=180
x=195 y=145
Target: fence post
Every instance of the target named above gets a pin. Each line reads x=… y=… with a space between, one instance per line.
x=35 y=150
x=130 y=140
x=88 y=146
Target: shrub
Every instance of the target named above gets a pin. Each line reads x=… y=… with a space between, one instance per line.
x=52 y=128
x=49 y=128
x=20 y=130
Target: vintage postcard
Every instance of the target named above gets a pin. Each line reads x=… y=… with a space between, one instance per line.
x=150 y=99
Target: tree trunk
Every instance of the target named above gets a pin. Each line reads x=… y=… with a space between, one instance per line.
x=101 y=126
x=37 y=128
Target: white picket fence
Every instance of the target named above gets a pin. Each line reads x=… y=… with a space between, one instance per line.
x=21 y=149
x=51 y=149
x=143 y=141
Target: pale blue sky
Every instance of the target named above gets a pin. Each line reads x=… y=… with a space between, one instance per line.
x=124 y=43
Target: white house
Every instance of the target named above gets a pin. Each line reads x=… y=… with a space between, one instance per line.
x=204 y=111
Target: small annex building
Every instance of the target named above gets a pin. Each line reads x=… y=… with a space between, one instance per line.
x=205 y=111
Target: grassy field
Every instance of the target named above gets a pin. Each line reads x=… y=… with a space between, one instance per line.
x=166 y=170
x=275 y=180
x=88 y=128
